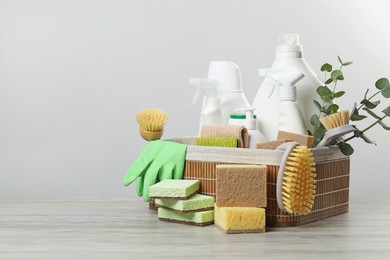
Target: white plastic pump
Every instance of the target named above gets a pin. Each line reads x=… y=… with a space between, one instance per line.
x=222 y=92
x=289 y=54
x=290 y=114
x=255 y=136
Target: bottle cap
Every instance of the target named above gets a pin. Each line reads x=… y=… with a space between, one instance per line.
x=289 y=43
x=237 y=116
x=240 y=116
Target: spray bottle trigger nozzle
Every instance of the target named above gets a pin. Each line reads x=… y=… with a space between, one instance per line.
x=195 y=82
x=210 y=88
x=194 y=99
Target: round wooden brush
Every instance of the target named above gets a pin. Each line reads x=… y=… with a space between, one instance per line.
x=335 y=120
x=151 y=123
x=296 y=184
x=337 y=125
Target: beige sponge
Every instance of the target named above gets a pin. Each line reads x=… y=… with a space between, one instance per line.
x=241 y=185
x=305 y=140
x=240 y=219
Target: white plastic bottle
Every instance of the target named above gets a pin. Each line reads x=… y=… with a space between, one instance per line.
x=255 y=136
x=228 y=74
x=289 y=54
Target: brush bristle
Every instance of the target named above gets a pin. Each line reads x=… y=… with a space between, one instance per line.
x=152 y=119
x=335 y=120
x=299 y=183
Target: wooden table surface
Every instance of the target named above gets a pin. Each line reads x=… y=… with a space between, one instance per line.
x=91 y=228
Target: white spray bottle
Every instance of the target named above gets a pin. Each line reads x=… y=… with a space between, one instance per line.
x=290 y=114
x=289 y=54
x=212 y=90
x=255 y=136
x=229 y=73
x=224 y=93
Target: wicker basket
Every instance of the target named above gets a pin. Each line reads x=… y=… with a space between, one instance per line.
x=332 y=196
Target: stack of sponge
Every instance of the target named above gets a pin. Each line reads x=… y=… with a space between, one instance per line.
x=241 y=198
x=178 y=201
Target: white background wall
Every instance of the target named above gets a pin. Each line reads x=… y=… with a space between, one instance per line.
x=74 y=73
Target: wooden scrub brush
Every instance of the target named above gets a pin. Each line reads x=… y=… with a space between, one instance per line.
x=296 y=184
x=151 y=123
x=337 y=125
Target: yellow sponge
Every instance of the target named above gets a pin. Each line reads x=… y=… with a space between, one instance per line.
x=240 y=219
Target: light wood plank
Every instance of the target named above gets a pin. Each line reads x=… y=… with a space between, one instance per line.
x=89 y=228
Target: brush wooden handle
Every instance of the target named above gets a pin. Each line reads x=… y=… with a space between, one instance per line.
x=151 y=136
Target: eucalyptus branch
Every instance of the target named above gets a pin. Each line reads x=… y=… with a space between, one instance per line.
x=328 y=95
x=368 y=99
x=367 y=128
x=335 y=83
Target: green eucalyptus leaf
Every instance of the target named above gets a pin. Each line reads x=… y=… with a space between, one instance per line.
x=357 y=117
x=382 y=83
x=326 y=67
x=341 y=62
x=331 y=109
x=337 y=75
x=375 y=103
x=354 y=110
x=369 y=104
x=338 y=94
x=360 y=134
x=347 y=63
x=366 y=139
x=324 y=92
x=386 y=111
x=315 y=121
x=386 y=92
x=328 y=81
x=346 y=149
x=365 y=94
x=320 y=131
x=370 y=112
x=319 y=134
x=318 y=106
x=386 y=127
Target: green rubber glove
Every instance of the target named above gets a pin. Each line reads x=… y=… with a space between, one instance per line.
x=159 y=160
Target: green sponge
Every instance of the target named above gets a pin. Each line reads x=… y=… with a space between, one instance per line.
x=201 y=218
x=174 y=189
x=196 y=203
x=217 y=141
